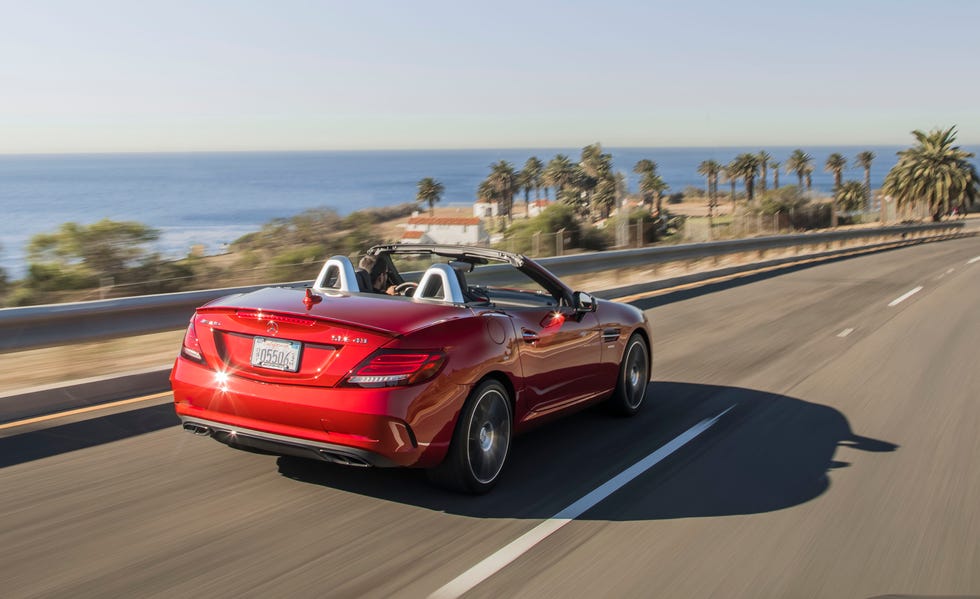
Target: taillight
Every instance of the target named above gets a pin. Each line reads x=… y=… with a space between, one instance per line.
x=191 y=347
x=274 y=317
x=396 y=369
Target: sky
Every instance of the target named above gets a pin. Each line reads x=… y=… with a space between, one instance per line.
x=240 y=75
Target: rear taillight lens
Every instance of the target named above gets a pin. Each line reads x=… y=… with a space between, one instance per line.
x=274 y=317
x=396 y=369
x=191 y=347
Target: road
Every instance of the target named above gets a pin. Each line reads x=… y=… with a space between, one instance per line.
x=844 y=466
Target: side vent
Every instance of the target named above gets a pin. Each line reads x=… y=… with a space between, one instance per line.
x=610 y=335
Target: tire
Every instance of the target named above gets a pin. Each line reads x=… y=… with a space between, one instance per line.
x=481 y=442
x=634 y=377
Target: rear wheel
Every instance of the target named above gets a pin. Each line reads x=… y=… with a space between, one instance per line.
x=480 y=442
x=634 y=376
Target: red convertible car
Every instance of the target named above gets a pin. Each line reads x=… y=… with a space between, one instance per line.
x=427 y=356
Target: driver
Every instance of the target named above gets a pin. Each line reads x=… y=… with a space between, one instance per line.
x=372 y=270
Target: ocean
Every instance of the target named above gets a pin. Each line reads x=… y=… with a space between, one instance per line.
x=211 y=199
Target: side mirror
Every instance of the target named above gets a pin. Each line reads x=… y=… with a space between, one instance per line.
x=583 y=302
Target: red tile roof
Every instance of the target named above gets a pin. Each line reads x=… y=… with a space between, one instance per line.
x=413 y=234
x=444 y=220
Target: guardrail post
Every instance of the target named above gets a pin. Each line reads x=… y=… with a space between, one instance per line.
x=105 y=286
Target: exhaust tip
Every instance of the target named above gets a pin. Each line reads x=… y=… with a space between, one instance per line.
x=197 y=429
x=343 y=459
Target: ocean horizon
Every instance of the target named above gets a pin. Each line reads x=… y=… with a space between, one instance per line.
x=213 y=198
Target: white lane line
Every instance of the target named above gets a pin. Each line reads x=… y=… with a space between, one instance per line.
x=518 y=547
x=972 y=260
x=845 y=333
x=904 y=297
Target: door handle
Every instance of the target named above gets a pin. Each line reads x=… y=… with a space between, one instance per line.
x=529 y=336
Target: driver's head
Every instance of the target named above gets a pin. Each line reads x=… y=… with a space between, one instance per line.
x=377 y=272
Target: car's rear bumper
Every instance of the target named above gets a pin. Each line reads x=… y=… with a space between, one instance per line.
x=245 y=438
x=407 y=426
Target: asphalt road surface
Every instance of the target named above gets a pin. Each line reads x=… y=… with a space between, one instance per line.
x=813 y=433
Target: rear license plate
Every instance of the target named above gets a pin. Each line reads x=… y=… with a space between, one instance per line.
x=277 y=354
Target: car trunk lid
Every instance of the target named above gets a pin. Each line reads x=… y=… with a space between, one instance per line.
x=271 y=335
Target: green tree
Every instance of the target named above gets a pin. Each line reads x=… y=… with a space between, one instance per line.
x=747 y=168
x=558 y=174
x=864 y=160
x=774 y=165
x=934 y=171
x=647 y=169
x=530 y=178
x=555 y=218
x=501 y=187
x=604 y=198
x=849 y=197
x=652 y=186
x=710 y=169
x=429 y=191
x=597 y=181
x=836 y=163
x=764 y=158
x=799 y=162
x=731 y=175
x=86 y=254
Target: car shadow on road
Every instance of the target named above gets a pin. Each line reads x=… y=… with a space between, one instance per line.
x=48 y=442
x=769 y=452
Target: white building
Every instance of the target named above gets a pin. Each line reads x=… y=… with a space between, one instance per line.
x=492 y=209
x=537 y=207
x=483 y=209
x=450 y=230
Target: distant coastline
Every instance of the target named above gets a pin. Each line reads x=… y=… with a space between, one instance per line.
x=212 y=198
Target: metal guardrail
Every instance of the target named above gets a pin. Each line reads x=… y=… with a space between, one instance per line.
x=61 y=324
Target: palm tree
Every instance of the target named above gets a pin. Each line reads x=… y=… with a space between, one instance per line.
x=430 y=191
x=747 y=167
x=798 y=162
x=836 y=163
x=775 y=173
x=647 y=169
x=596 y=172
x=731 y=175
x=934 y=171
x=530 y=178
x=558 y=174
x=653 y=184
x=502 y=185
x=710 y=169
x=644 y=166
x=764 y=158
x=849 y=196
x=864 y=160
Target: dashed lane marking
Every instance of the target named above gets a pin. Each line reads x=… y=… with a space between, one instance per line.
x=904 y=297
